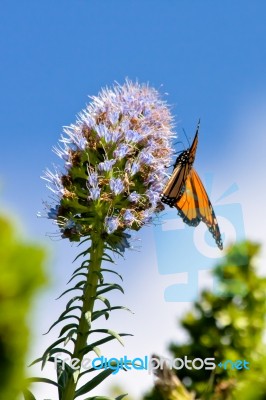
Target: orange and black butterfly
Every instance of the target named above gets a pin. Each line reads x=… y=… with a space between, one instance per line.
x=185 y=191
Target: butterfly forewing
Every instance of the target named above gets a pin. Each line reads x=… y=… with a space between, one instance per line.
x=175 y=186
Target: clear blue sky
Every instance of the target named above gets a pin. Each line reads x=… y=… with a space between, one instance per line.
x=210 y=57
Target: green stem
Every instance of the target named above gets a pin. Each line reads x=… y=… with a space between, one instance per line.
x=89 y=293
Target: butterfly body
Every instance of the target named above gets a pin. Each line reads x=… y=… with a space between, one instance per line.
x=186 y=193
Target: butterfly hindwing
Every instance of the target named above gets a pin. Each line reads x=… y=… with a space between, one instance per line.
x=194 y=206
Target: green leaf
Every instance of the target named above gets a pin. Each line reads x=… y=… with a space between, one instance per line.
x=99 y=398
x=42 y=380
x=60 y=320
x=93 y=382
x=69 y=336
x=28 y=395
x=83 y=266
x=67 y=327
x=110 y=286
x=107 y=257
x=114 y=272
x=84 y=253
x=106 y=398
x=70 y=309
x=91 y=346
x=47 y=351
x=77 y=274
x=104 y=300
x=69 y=290
x=76 y=298
x=64 y=372
x=54 y=351
x=97 y=351
x=114 y=250
x=97 y=314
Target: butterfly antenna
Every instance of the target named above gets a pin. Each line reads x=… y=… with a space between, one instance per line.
x=198 y=125
x=186 y=137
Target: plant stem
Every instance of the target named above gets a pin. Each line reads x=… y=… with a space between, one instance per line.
x=89 y=293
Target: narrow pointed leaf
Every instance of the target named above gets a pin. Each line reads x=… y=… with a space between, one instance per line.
x=66 y=328
x=97 y=314
x=76 y=298
x=69 y=336
x=42 y=380
x=93 y=382
x=110 y=286
x=67 y=291
x=54 y=351
x=104 y=300
x=91 y=346
x=114 y=272
x=83 y=266
x=28 y=395
x=75 y=275
x=82 y=254
x=61 y=319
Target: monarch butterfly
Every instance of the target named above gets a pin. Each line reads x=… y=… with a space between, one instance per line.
x=186 y=192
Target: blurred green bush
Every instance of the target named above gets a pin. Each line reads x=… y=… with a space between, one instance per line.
x=21 y=275
x=228 y=324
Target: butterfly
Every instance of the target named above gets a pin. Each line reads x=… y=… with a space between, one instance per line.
x=186 y=193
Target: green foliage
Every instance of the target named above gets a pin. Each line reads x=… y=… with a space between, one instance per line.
x=21 y=271
x=228 y=324
x=77 y=339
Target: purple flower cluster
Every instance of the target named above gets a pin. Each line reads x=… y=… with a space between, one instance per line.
x=115 y=157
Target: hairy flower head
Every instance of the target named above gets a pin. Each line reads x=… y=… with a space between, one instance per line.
x=115 y=155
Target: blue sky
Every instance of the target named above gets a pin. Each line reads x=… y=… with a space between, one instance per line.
x=209 y=56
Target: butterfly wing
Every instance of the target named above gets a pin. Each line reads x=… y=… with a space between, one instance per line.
x=194 y=206
x=175 y=186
